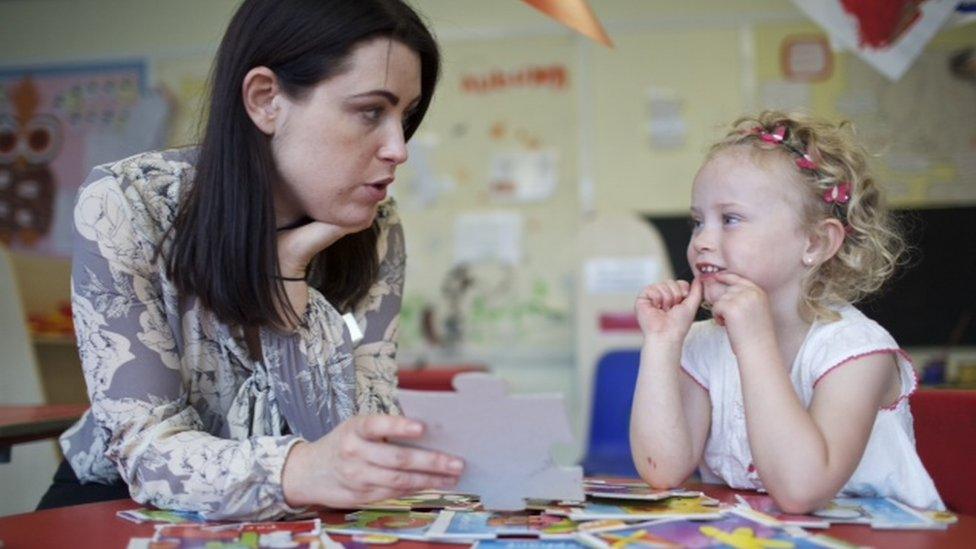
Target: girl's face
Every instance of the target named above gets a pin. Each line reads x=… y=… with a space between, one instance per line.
x=746 y=220
x=338 y=147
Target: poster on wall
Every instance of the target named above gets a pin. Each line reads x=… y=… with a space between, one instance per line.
x=56 y=123
x=887 y=34
x=524 y=176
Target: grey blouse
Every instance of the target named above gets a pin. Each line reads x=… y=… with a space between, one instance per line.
x=179 y=409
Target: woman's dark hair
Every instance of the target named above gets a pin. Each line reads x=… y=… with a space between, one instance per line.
x=224 y=243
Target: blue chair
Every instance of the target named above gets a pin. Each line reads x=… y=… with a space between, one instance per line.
x=608 y=446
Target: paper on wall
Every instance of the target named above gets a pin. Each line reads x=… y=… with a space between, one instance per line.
x=488 y=237
x=524 y=176
x=894 y=59
x=620 y=275
x=666 y=124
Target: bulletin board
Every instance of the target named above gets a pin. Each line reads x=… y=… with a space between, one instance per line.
x=489 y=201
x=56 y=122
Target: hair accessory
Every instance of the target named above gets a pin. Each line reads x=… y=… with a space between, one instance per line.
x=778 y=137
x=838 y=194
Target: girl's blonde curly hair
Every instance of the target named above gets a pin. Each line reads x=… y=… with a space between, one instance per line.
x=873 y=246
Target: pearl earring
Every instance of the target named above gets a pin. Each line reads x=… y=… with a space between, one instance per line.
x=807 y=261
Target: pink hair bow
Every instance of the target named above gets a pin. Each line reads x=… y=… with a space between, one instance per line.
x=777 y=137
x=838 y=194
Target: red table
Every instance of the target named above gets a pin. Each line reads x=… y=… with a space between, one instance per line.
x=25 y=423
x=95 y=525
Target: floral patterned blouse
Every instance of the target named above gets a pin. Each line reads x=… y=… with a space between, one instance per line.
x=180 y=411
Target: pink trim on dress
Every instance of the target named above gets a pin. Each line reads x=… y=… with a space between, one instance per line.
x=894 y=351
x=694 y=378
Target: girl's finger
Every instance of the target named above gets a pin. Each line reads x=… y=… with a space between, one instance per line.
x=693 y=298
x=676 y=294
x=684 y=286
x=654 y=296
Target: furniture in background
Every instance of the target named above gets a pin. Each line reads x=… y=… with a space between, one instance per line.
x=619 y=255
x=436 y=378
x=27 y=423
x=608 y=443
x=945 y=436
x=27 y=476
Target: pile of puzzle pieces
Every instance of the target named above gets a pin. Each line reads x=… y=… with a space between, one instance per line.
x=612 y=514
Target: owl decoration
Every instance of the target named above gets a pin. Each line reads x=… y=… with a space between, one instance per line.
x=29 y=141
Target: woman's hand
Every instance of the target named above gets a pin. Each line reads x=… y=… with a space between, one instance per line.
x=743 y=309
x=668 y=308
x=354 y=465
x=297 y=247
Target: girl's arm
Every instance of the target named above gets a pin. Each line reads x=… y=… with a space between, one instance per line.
x=804 y=457
x=670 y=418
x=671 y=413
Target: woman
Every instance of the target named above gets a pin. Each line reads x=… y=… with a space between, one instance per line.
x=218 y=292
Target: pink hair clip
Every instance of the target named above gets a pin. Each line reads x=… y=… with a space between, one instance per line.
x=806 y=163
x=838 y=194
x=776 y=137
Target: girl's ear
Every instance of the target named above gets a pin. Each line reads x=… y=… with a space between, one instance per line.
x=824 y=241
x=260 y=91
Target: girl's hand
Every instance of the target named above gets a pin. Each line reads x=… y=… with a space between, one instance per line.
x=354 y=465
x=743 y=309
x=296 y=247
x=667 y=309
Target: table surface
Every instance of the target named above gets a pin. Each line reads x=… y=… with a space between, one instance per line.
x=95 y=525
x=22 y=420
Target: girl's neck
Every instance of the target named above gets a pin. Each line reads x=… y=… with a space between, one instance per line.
x=790 y=329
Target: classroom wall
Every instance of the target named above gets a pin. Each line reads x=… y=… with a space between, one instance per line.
x=704 y=61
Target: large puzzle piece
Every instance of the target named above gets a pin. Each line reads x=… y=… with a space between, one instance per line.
x=505 y=440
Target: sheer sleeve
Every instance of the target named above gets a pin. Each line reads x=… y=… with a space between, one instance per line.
x=140 y=417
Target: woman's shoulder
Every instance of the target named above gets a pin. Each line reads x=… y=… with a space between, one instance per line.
x=150 y=182
x=387 y=214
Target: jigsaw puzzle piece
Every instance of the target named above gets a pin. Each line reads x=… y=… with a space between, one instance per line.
x=505 y=440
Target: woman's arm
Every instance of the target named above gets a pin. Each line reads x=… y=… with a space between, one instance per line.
x=135 y=374
x=363 y=466
x=671 y=413
x=378 y=316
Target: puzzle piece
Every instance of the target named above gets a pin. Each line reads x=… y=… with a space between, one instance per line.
x=505 y=441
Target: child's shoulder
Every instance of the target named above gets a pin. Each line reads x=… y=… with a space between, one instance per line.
x=831 y=344
x=853 y=327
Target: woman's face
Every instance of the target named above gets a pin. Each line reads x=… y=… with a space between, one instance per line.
x=337 y=148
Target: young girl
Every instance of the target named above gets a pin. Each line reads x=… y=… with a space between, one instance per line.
x=789 y=388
